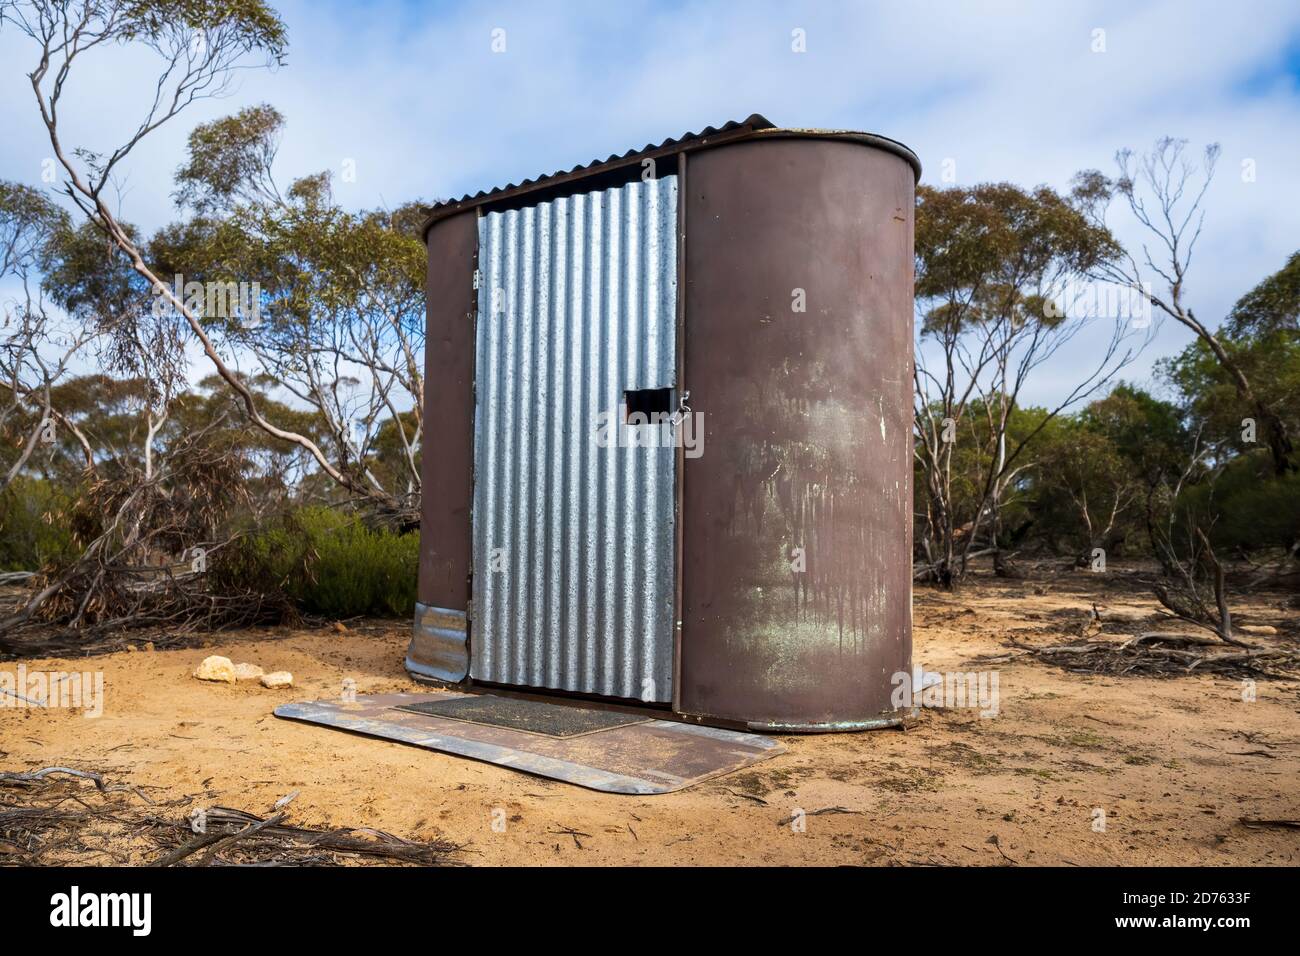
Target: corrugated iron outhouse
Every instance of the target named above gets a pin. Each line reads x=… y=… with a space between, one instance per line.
x=667 y=453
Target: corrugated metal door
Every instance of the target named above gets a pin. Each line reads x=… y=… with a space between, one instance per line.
x=574 y=510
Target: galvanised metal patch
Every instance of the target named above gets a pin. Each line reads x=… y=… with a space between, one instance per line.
x=573 y=513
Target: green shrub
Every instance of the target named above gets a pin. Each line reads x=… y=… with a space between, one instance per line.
x=329 y=563
x=1253 y=508
x=28 y=541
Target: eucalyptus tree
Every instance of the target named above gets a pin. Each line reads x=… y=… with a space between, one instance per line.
x=998 y=270
x=198 y=47
x=36 y=347
x=1165 y=191
x=1262 y=336
x=340 y=322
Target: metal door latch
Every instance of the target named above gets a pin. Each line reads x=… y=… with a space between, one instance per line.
x=683 y=408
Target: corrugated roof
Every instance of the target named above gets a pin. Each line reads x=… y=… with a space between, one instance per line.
x=733 y=129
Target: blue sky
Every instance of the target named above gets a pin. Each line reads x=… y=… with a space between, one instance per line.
x=415 y=95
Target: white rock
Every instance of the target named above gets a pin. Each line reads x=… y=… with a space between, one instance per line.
x=277 y=679
x=216 y=668
x=246 y=671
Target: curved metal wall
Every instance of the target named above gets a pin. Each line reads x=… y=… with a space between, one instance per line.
x=448 y=412
x=438 y=642
x=796 y=580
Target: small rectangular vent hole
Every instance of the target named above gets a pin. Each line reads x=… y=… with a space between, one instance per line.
x=647 y=406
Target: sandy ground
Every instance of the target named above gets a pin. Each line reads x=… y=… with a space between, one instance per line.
x=1172 y=764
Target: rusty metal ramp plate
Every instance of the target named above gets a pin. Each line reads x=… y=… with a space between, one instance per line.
x=646 y=757
x=534 y=716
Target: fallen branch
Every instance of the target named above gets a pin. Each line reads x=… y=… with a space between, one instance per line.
x=35 y=775
x=569 y=831
x=270 y=842
x=185 y=849
x=51 y=815
x=817 y=813
x=1169 y=637
x=234 y=838
x=1261 y=824
x=1149 y=655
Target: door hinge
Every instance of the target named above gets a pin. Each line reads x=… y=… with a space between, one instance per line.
x=476 y=278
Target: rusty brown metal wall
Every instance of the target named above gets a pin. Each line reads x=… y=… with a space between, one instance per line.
x=807 y=433
x=448 y=445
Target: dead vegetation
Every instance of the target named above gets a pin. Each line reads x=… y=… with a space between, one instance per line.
x=57 y=815
x=1158 y=654
x=128 y=523
x=238 y=838
x=1100 y=637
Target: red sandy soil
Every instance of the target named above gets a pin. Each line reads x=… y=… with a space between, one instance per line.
x=1174 y=764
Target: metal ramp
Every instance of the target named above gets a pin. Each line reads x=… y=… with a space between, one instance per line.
x=610 y=751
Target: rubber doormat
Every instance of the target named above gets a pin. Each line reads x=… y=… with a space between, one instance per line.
x=650 y=756
x=534 y=716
